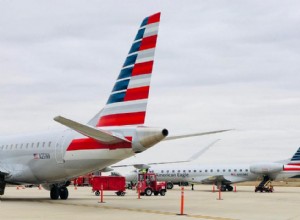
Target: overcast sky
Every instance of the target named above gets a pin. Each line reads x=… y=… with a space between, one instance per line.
x=218 y=65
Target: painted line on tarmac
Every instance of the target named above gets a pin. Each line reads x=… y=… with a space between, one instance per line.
x=137 y=210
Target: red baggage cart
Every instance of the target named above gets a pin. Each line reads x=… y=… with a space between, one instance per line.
x=109 y=183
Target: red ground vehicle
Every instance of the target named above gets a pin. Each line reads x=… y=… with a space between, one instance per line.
x=109 y=183
x=148 y=184
x=83 y=180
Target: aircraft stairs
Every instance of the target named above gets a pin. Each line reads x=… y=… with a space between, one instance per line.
x=264 y=185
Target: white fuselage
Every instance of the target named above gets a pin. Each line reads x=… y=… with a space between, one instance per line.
x=207 y=174
x=43 y=157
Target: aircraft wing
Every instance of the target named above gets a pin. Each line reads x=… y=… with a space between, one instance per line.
x=148 y=165
x=194 y=134
x=92 y=132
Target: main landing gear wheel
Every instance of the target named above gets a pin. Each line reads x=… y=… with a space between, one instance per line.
x=64 y=193
x=57 y=192
x=54 y=193
x=229 y=188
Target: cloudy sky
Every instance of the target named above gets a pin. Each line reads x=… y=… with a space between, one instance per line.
x=218 y=65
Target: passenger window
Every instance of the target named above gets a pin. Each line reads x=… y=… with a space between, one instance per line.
x=218 y=170
x=234 y=170
x=16 y=146
x=162 y=171
x=178 y=171
x=43 y=144
x=195 y=171
x=184 y=171
x=167 y=171
x=49 y=144
x=32 y=145
x=173 y=171
x=241 y=170
x=229 y=170
x=246 y=170
x=205 y=171
x=27 y=146
x=224 y=170
x=37 y=145
x=211 y=170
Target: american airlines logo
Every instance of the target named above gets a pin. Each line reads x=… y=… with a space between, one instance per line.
x=41 y=156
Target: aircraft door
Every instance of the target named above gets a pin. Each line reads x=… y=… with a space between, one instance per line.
x=59 y=148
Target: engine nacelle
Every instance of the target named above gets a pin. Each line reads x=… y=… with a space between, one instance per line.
x=146 y=137
x=266 y=168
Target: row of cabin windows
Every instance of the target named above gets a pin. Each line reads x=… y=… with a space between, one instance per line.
x=200 y=171
x=25 y=146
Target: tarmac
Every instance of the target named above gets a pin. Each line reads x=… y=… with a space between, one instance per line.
x=202 y=203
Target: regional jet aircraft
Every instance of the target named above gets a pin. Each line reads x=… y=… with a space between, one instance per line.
x=221 y=175
x=117 y=132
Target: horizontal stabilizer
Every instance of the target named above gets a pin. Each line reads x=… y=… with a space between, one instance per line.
x=194 y=134
x=95 y=133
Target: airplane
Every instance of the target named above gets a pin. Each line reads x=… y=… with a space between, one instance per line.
x=220 y=175
x=117 y=132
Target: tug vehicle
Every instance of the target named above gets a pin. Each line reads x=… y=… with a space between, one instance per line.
x=147 y=184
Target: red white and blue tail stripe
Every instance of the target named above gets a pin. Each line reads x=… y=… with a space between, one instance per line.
x=128 y=100
x=295 y=159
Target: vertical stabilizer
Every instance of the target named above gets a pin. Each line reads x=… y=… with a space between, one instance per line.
x=295 y=160
x=127 y=102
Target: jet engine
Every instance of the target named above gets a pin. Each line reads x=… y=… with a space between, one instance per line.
x=266 y=168
x=146 y=137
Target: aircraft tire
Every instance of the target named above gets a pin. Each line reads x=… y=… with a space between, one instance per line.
x=223 y=188
x=229 y=188
x=63 y=193
x=54 y=193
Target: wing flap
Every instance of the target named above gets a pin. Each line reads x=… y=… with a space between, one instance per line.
x=89 y=131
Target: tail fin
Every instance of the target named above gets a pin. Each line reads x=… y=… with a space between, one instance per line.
x=128 y=100
x=295 y=160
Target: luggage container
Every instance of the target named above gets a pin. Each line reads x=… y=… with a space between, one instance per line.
x=109 y=183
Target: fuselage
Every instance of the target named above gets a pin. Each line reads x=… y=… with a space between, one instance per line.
x=207 y=174
x=55 y=156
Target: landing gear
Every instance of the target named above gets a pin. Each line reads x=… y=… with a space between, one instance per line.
x=63 y=193
x=54 y=193
x=57 y=192
x=229 y=188
x=2 y=185
x=225 y=187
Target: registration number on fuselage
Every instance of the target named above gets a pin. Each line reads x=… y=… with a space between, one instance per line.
x=41 y=156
